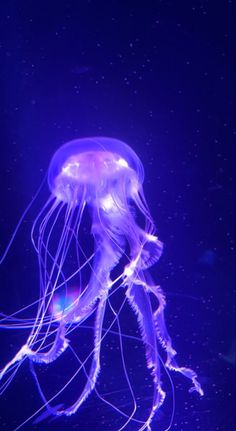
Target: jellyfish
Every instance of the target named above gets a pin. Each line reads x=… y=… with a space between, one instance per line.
x=96 y=182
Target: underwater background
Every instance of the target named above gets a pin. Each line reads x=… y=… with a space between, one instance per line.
x=159 y=75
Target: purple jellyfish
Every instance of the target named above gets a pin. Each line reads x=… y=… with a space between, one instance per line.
x=100 y=178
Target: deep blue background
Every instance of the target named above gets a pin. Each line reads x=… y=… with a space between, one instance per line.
x=160 y=76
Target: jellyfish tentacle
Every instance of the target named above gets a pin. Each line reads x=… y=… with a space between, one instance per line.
x=19 y=357
x=166 y=342
x=20 y=221
x=138 y=298
x=44 y=305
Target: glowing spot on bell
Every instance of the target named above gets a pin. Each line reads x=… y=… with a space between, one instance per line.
x=123 y=163
x=71 y=169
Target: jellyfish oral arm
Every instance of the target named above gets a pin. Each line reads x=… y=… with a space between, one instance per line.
x=161 y=333
x=166 y=341
x=59 y=346
x=140 y=303
x=95 y=366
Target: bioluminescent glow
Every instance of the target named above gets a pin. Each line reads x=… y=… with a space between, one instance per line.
x=97 y=183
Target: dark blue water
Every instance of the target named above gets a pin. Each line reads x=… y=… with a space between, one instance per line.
x=159 y=76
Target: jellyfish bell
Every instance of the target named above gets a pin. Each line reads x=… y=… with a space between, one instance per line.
x=105 y=175
x=97 y=164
